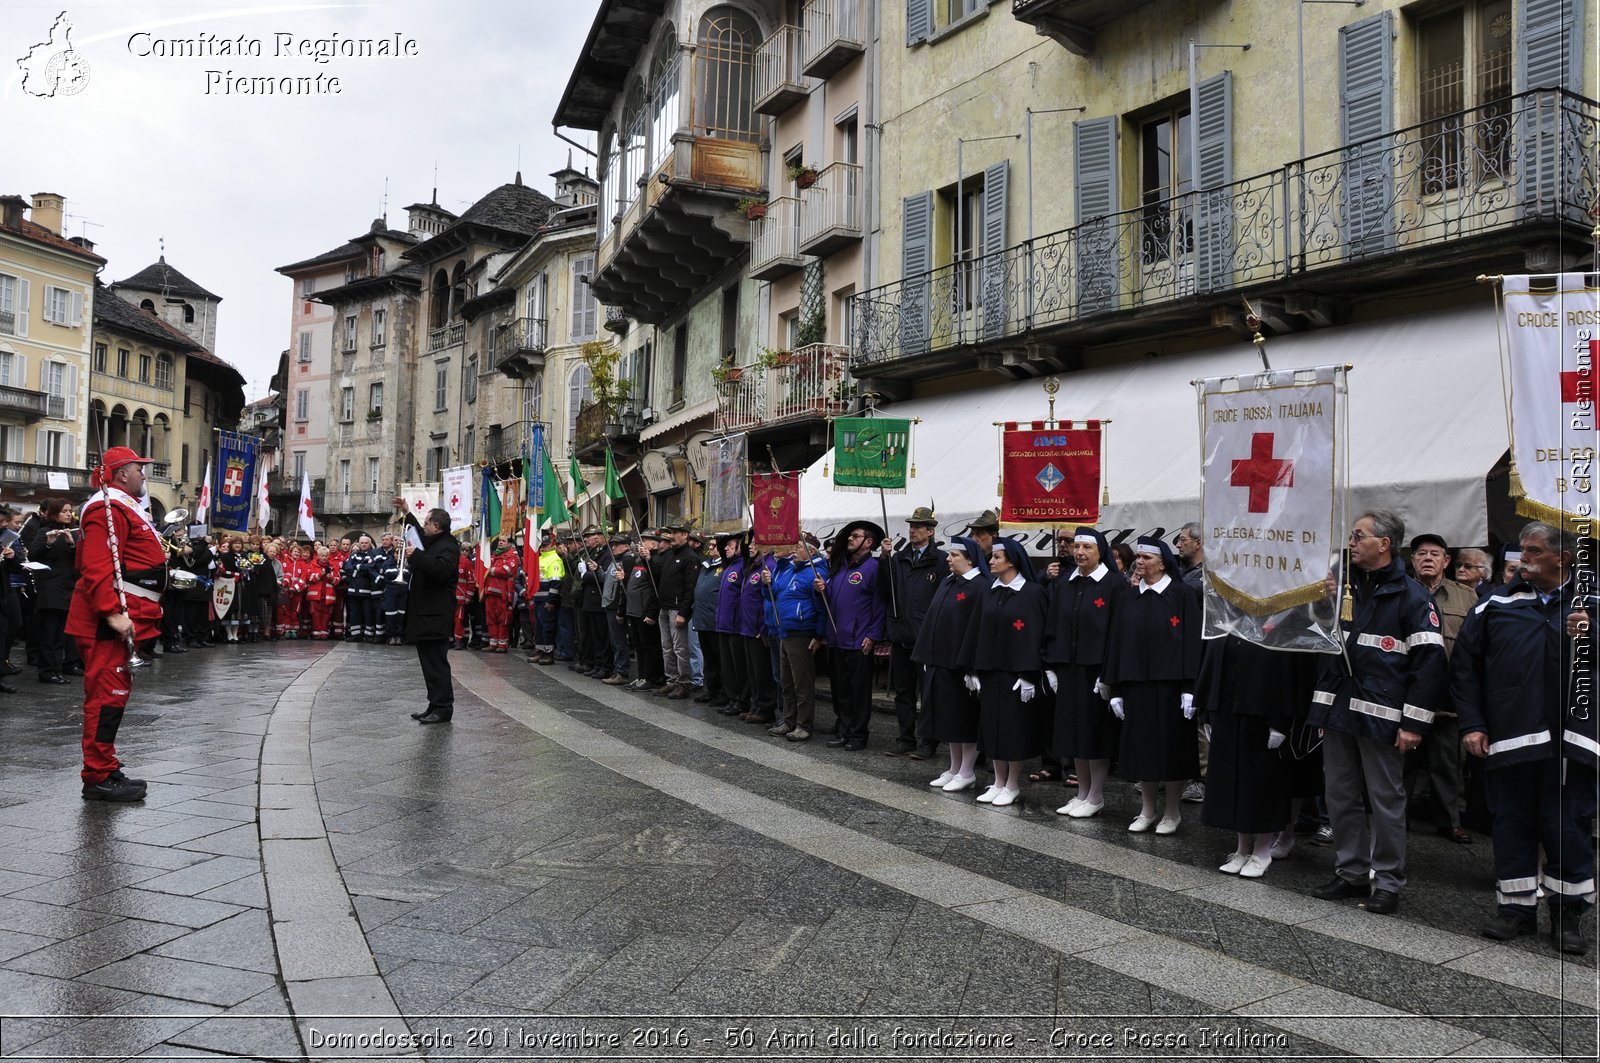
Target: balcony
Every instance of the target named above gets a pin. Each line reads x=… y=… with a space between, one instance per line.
x=1500 y=188
x=775 y=241
x=159 y=470
x=833 y=37
x=812 y=384
x=8 y=323
x=354 y=503
x=521 y=347
x=779 y=84
x=830 y=211
x=30 y=405
x=17 y=475
x=447 y=336
x=1072 y=23
x=503 y=445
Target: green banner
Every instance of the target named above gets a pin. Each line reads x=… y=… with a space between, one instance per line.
x=871 y=452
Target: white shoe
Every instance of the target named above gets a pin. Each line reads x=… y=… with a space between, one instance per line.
x=1142 y=824
x=1283 y=845
x=1255 y=867
x=1085 y=809
x=942 y=779
x=1070 y=808
x=990 y=794
x=1005 y=797
x=958 y=783
x=1234 y=863
x=1169 y=825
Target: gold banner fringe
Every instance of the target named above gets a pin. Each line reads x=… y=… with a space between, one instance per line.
x=1277 y=603
x=1560 y=518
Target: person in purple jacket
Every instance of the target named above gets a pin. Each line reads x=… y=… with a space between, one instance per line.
x=857 y=625
x=735 y=682
x=754 y=594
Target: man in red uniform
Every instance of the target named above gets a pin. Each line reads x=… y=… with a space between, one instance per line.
x=117 y=602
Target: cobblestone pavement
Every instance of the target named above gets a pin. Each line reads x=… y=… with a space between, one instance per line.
x=569 y=870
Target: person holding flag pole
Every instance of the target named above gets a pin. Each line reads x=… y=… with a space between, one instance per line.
x=546 y=511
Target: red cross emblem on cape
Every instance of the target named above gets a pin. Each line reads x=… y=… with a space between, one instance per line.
x=1173 y=621
x=961 y=596
x=1018 y=624
x=1099 y=603
x=1262 y=472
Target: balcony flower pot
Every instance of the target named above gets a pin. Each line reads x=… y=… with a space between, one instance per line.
x=803 y=176
x=752 y=209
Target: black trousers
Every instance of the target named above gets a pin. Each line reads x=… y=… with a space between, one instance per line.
x=434 y=656
x=758 y=670
x=905 y=679
x=735 y=678
x=55 y=652
x=594 y=640
x=852 y=693
x=711 y=664
x=646 y=639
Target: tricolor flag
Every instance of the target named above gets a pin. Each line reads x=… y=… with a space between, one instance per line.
x=488 y=525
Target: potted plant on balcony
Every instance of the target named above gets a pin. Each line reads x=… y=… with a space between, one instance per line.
x=803 y=174
x=723 y=374
x=772 y=359
x=753 y=209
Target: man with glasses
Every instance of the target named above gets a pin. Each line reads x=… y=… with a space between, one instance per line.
x=1374 y=703
x=1441 y=749
x=1191 y=554
x=1473 y=568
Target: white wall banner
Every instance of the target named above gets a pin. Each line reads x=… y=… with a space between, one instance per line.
x=418 y=498
x=458 y=496
x=1269 y=505
x=1553 y=334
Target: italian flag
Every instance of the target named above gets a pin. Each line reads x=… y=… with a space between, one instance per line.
x=488 y=526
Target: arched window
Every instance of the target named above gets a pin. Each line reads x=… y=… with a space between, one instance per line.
x=633 y=148
x=724 y=67
x=164 y=370
x=160 y=442
x=536 y=397
x=439 y=300
x=664 y=114
x=610 y=173
x=188 y=314
x=458 y=288
x=146 y=304
x=579 y=393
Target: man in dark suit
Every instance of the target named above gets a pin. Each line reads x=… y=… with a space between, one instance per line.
x=430 y=620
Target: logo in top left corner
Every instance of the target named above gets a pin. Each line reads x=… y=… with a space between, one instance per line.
x=53 y=67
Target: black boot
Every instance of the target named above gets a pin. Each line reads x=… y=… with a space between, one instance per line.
x=1565 y=933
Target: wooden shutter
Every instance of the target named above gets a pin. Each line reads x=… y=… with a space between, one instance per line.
x=75 y=313
x=69 y=377
x=1549 y=44
x=24 y=306
x=1099 y=258
x=1549 y=56
x=1366 y=115
x=995 y=268
x=919 y=21
x=1213 y=208
x=916 y=259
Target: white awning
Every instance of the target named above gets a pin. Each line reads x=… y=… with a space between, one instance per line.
x=1427 y=424
x=687 y=415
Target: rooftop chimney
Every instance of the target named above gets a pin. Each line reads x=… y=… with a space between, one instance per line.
x=47 y=210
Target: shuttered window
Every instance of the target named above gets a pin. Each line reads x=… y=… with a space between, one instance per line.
x=916 y=258
x=1366 y=114
x=919 y=21
x=1550 y=34
x=995 y=269
x=1099 y=257
x=1214 y=172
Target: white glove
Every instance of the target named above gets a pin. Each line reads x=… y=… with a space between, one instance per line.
x=974 y=684
x=1205 y=731
x=1275 y=738
x=1100 y=689
x=1025 y=688
x=583 y=568
x=1187 y=701
x=1050 y=679
x=1116 y=708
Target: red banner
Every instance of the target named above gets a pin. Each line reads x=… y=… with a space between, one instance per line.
x=777 y=508
x=1050 y=475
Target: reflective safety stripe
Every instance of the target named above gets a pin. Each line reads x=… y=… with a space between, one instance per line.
x=1372 y=708
x=1583 y=742
x=1386 y=643
x=1418 y=713
x=1506 y=745
x=1425 y=638
x=1569 y=889
x=141 y=592
x=1518 y=885
x=1322 y=697
x=1525 y=900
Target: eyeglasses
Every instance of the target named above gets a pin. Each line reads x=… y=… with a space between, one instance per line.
x=1358 y=535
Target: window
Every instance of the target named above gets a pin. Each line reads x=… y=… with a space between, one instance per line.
x=146 y=365
x=350 y=332
x=680 y=363
x=379 y=326
x=633 y=148
x=188 y=314
x=844 y=312
x=12 y=374
x=347 y=404
x=610 y=174
x=1464 y=63
x=536 y=398
x=188 y=400
x=123 y=355
x=183 y=467
x=372 y=475
x=61 y=384
x=58 y=305
x=308 y=285
x=55 y=448
x=724 y=65
x=302 y=404
x=579 y=394
x=164 y=371
x=99 y=358
x=1165 y=171
x=13 y=306
x=956 y=10
x=664 y=113
x=441 y=386
x=730 y=322
x=583 y=304
x=469 y=381
x=966 y=240
x=375 y=398
x=377 y=260
x=299 y=466
x=344 y=477
x=469 y=448
x=533 y=297
x=305 y=346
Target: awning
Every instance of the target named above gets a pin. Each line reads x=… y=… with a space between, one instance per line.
x=594 y=491
x=1427 y=424
x=687 y=415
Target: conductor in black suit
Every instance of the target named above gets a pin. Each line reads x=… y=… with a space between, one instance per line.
x=430 y=618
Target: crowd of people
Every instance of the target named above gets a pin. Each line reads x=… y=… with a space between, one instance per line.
x=1085 y=664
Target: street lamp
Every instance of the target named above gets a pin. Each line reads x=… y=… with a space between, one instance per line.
x=630 y=421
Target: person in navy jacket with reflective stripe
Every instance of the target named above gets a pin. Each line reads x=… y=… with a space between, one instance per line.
x=1522 y=679
x=1374 y=710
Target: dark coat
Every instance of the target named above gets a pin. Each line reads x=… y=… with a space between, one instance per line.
x=1240 y=678
x=432 y=611
x=677 y=571
x=1008 y=634
x=1081 y=612
x=52 y=589
x=1155 y=637
x=914 y=581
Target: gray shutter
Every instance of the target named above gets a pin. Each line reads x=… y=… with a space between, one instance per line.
x=916 y=259
x=1099 y=254
x=24 y=307
x=1549 y=56
x=1366 y=114
x=995 y=267
x=919 y=21
x=1213 y=247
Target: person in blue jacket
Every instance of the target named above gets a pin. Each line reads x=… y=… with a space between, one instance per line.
x=795 y=616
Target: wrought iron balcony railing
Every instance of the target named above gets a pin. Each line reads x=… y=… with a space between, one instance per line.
x=833 y=36
x=775 y=247
x=1523 y=160
x=8 y=323
x=811 y=382
x=830 y=210
x=778 y=83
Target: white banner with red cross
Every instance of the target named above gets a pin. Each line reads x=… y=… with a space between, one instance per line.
x=457 y=496
x=1269 y=504
x=1553 y=336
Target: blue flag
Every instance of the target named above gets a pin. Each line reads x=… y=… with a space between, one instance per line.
x=234 y=493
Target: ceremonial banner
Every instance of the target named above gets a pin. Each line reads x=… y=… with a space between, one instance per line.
x=1050 y=475
x=202 y=503
x=223 y=591
x=419 y=498
x=263 y=501
x=1270 y=506
x=871 y=453
x=488 y=524
x=458 y=496
x=777 y=508
x=308 y=515
x=1553 y=333
x=725 y=483
x=234 y=495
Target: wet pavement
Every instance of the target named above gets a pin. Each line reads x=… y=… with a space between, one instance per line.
x=572 y=871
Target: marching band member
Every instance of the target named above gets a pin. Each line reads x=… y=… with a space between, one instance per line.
x=1004 y=669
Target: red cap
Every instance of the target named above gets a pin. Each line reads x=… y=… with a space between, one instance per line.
x=111 y=461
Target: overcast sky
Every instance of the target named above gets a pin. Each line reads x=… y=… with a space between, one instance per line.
x=240 y=184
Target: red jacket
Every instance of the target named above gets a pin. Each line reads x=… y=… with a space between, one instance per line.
x=144 y=566
x=295 y=574
x=466 y=577
x=502 y=577
x=322 y=580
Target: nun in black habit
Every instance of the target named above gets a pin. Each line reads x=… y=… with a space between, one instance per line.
x=1152 y=659
x=1004 y=668
x=1253 y=700
x=1082 y=604
x=953 y=709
